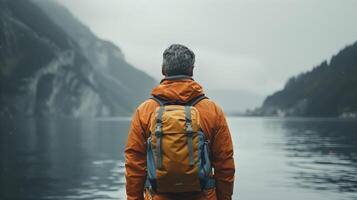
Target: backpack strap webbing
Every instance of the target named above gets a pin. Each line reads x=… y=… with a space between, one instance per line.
x=196 y=100
x=159 y=100
x=189 y=132
x=158 y=134
x=192 y=102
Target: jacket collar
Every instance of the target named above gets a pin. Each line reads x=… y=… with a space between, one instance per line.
x=178 y=88
x=176 y=77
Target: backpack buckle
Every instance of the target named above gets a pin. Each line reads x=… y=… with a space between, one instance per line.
x=189 y=129
x=158 y=130
x=158 y=133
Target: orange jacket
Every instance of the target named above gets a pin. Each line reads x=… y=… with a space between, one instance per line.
x=213 y=124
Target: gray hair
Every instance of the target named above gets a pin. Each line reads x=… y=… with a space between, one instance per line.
x=178 y=60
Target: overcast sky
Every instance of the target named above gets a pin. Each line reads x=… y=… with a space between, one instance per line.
x=245 y=45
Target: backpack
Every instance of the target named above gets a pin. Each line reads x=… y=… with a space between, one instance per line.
x=177 y=151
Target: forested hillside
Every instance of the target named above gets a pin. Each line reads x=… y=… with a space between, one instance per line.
x=328 y=90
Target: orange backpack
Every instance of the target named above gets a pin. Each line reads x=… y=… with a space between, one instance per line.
x=177 y=150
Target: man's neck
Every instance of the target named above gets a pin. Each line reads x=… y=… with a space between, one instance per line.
x=177 y=77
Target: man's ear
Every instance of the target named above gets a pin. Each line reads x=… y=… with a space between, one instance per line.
x=191 y=71
x=163 y=71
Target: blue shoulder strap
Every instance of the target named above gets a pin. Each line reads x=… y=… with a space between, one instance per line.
x=196 y=100
x=192 y=102
x=159 y=100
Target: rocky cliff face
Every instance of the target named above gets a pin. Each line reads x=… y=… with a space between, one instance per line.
x=119 y=80
x=54 y=68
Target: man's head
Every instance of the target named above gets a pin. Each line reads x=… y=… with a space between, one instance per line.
x=178 y=60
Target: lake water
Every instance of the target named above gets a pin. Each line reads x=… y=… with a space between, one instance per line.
x=312 y=159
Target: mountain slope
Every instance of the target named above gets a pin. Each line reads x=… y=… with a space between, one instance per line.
x=329 y=90
x=43 y=69
x=105 y=57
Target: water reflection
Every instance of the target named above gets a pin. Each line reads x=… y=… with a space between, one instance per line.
x=62 y=159
x=83 y=159
x=323 y=153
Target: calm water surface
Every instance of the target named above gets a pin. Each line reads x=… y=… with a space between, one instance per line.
x=312 y=159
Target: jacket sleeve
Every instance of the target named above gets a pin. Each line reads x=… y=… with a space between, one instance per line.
x=222 y=159
x=135 y=160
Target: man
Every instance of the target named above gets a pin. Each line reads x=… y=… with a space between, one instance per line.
x=178 y=86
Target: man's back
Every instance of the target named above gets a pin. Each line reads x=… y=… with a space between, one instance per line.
x=181 y=89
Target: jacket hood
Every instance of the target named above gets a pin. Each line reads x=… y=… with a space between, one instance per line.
x=182 y=89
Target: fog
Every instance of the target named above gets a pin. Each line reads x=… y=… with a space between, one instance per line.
x=67 y=98
x=242 y=45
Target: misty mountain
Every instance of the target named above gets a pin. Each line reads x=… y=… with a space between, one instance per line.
x=328 y=90
x=235 y=101
x=51 y=63
x=103 y=55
